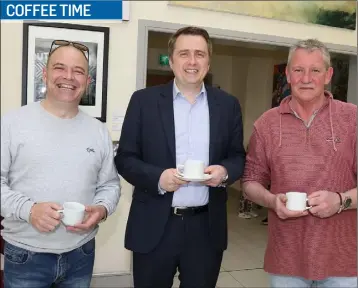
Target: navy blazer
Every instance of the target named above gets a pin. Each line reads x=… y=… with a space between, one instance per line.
x=147 y=147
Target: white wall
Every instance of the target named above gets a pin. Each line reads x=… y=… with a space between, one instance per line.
x=111 y=256
x=258 y=96
x=221 y=68
x=240 y=66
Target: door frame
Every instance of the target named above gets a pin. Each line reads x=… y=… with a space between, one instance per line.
x=144 y=26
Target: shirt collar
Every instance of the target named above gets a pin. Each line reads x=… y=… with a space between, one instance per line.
x=176 y=90
x=285 y=107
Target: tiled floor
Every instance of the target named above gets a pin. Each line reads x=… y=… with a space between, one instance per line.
x=243 y=260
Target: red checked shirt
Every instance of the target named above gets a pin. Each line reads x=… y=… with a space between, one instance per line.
x=293 y=156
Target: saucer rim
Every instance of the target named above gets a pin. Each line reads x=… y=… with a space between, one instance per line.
x=193 y=178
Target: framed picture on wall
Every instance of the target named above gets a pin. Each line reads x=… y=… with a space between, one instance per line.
x=37 y=39
x=281 y=88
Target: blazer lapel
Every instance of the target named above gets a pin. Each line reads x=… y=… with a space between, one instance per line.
x=167 y=116
x=214 y=116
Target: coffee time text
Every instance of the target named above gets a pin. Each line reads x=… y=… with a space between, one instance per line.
x=48 y=10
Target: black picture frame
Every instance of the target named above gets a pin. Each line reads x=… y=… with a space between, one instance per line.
x=37 y=38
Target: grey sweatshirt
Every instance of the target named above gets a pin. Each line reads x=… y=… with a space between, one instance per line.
x=48 y=159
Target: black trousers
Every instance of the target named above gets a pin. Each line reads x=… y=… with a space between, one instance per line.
x=185 y=246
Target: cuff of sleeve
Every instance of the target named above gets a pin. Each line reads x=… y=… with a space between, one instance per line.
x=25 y=209
x=224 y=181
x=160 y=190
x=105 y=206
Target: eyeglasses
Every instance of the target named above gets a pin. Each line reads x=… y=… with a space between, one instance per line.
x=60 y=43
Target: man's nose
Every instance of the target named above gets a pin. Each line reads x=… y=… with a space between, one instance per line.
x=69 y=74
x=307 y=77
x=192 y=59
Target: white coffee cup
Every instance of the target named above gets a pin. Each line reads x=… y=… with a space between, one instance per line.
x=191 y=169
x=73 y=213
x=297 y=201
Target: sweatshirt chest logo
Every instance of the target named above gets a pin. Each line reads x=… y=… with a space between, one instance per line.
x=336 y=139
x=90 y=150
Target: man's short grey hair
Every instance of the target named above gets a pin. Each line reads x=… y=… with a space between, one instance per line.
x=311 y=45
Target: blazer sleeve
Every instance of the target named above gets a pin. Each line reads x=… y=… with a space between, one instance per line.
x=235 y=162
x=128 y=159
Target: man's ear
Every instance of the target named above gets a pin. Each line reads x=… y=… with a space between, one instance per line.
x=171 y=62
x=329 y=75
x=287 y=72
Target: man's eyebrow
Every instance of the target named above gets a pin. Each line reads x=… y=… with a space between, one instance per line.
x=81 y=68
x=62 y=65
x=196 y=51
x=58 y=64
x=183 y=50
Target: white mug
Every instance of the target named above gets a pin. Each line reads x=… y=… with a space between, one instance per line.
x=297 y=201
x=191 y=169
x=73 y=213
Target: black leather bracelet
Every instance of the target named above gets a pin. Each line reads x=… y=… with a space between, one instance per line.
x=340 y=198
x=340 y=203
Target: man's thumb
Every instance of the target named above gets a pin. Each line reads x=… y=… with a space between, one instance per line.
x=283 y=198
x=208 y=169
x=89 y=209
x=55 y=206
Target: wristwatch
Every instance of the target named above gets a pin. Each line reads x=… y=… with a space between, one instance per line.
x=224 y=181
x=345 y=203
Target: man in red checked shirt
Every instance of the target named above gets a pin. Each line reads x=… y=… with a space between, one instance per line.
x=307 y=144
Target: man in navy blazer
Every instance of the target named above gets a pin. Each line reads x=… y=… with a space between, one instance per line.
x=179 y=222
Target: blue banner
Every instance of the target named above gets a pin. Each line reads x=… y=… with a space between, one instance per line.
x=64 y=9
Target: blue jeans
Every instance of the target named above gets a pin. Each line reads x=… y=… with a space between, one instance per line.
x=25 y=269
x=280 y=281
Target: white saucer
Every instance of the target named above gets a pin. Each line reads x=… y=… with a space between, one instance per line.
x=190 y=179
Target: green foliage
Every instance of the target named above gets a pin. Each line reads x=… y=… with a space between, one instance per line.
x=336 y=18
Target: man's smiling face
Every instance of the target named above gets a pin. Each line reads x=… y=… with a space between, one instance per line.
x=66 y=75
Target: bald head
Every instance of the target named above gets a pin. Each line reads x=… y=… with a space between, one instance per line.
x=66 y=75
x=68 y=52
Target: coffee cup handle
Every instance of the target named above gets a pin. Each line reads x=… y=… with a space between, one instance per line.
x=62 y=212
x=307 y=205
x=180 y=167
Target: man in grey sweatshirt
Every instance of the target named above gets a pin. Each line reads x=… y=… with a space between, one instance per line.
x=51 y=153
